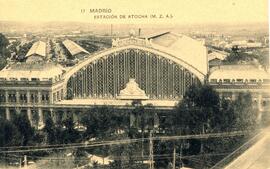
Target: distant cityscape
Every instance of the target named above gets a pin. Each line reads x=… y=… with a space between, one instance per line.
x=250 y=38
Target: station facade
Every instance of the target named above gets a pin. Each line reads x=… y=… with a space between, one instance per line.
x=155 y=70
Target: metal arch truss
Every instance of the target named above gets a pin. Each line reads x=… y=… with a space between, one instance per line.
x=158 y=76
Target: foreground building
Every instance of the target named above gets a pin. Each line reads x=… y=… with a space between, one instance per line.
x=230 y=80
x=154 y=71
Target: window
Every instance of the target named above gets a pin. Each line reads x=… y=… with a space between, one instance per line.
x=12 y=78
x=35 y=79
x=226 y=80
x=12 y=97
x=34 y=98
x=23 y=98
x=45 y=97
x=266 y=103
x=213 y=80
x=239 y=80
x=2 y=96
x=252 y=80
x=24 y=79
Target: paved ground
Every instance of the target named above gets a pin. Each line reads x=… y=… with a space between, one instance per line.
x=256 y=157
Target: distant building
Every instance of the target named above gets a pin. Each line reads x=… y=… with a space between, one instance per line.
x=216 y=57
x=222 y=44
x=75 y=50
x=37 y=52
x=266 y=40
x=254 y=45
x=76 y=32
x=246 y=44
x=230 y=80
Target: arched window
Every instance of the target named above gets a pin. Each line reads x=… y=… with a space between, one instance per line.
x=158 y=76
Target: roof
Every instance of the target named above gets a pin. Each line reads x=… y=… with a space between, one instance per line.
x=238 y=72
x=216 y=55
x=30 y=70
x=245 y=43
x=189 y=50
x=38 y=48
x=100 y=160
x=155 y=35
x=73 y=47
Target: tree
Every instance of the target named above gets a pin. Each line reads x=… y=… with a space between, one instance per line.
x=23 y=126
x=244 y=111
x=225 y=118
x=92 y=122
x=103 y=121
x=78 y=154
x=202 y=107
x=139 y=113
x=201 y=110
x=9 y=134
x=125 y=155
x=163 y=148
x=50 y=129
x=240 y=56
x=3 y=62
x=23 y=51
x=197 y=110
x=3 y=45
x=234 y=56
x=4 y=52
x=70 y=135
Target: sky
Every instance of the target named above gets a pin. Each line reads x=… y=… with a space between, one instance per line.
x=182 y=11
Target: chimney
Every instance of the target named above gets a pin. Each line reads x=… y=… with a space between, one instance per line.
x=139 y=33
x=111 y=30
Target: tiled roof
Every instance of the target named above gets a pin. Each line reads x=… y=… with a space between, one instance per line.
x=38 y=48
x=73 y=47
x=27 y=70
x=216 y=55
x=183 y=47
x=238 y=72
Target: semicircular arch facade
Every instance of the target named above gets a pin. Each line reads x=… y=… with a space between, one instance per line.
x=103 y=75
